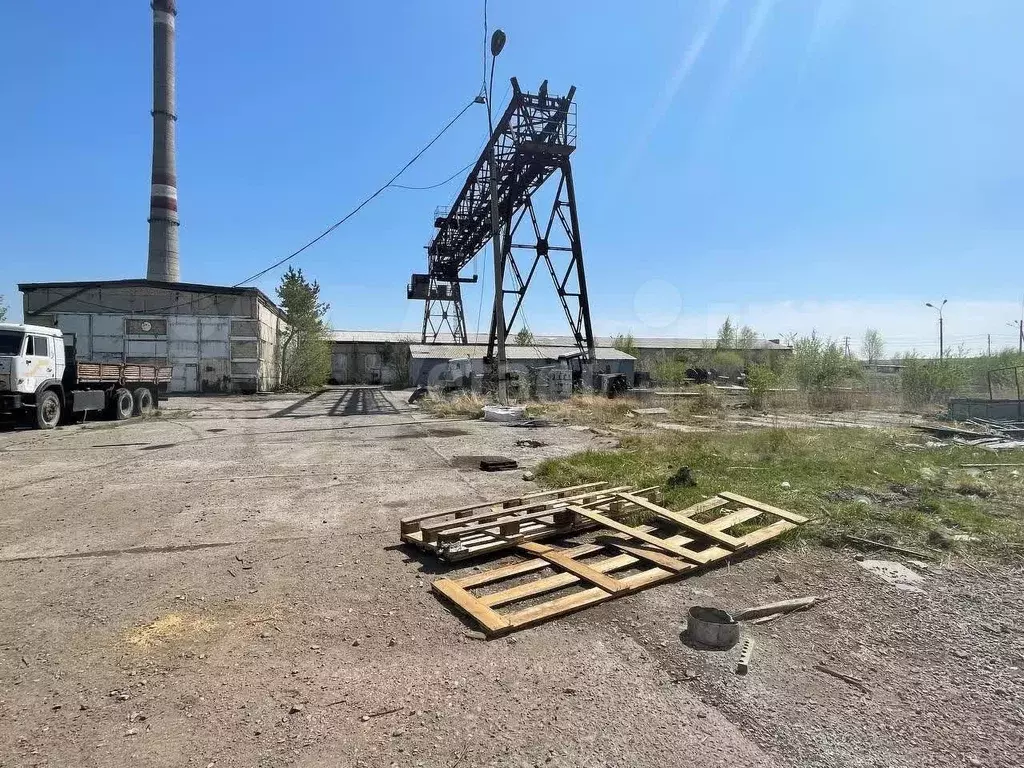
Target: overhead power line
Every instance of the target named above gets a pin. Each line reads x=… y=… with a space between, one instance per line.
x=461 y=170
x=334 y=226
x=361 y=205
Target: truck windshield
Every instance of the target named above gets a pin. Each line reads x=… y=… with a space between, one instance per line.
x=10 y=342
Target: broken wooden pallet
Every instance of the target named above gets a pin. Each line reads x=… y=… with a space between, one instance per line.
x=553 y=581
x=480 y=528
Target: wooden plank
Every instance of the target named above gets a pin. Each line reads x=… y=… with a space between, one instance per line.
x=703 y=506
x=539 y=494
x=557 y=607
x=493 y=528
x=576 y=568
x=784 y=514
x=636 y=533
x=762 y=535
x=487 y=618
x=442 y=525
x=660 y=559
x=717 y=536
x=734 y=518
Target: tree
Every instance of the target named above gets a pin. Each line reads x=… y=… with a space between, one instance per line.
x=873 y=346
x=524 y=338
x=306 y=352
x=747 y=339
x=727 y=335
x=3 y=310
x=626 y=343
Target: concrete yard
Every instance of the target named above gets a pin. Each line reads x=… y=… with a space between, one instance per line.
x=223 y=586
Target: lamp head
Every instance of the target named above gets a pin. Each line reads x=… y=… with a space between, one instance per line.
x=497 y=42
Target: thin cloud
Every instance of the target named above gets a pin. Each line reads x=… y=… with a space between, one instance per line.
x=829 y=17
x=679 y=76
x=751 y=32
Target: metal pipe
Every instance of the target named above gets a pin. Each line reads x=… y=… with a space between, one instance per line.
x=163 y=262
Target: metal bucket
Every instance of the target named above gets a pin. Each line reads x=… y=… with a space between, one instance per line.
x=711 y=628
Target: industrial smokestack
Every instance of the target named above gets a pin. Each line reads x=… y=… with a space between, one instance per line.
x=163 y=200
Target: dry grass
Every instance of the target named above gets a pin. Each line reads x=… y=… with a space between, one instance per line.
x=173 y=626
x=587 y=410
x=464 y=405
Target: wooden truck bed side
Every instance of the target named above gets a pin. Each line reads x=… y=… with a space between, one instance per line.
x=122 y=373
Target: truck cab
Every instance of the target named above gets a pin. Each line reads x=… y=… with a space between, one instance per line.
x=32 y=357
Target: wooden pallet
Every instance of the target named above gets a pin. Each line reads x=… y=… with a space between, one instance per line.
x=625 y=560
x=489 y=526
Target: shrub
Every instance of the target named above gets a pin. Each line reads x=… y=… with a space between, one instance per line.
x=708 y=399
x=760 y=380
x=928 y=381
x=817 y=365
x=727 y=362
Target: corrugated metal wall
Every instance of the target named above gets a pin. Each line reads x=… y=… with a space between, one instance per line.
x=214 y=342
x=206 y=354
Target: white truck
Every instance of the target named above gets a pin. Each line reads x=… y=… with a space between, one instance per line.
x=42 y=381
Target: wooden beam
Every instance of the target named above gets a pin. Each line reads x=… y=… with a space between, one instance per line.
x=636 y=533
x=784 y=514
x=656 y=557
x=703 y=506
x=576 y=568
x=495 y=513
x=557 y=492
x=718 y=537
x=487 y=618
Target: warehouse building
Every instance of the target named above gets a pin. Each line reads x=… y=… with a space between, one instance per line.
x=397 y=358
x=429 y=362
x=215 y=338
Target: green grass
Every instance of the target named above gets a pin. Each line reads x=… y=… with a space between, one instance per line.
x=915 y=497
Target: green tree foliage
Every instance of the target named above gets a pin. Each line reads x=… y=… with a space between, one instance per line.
x=524 y=338
x=626 y=343
x=306 y=352
x=817 y=365
x=3 y=310
x=873 y=346
x=727 y=335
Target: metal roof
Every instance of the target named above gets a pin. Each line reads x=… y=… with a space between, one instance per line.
x=376 y=337
x=132 y=282
x=538 y=352
x=641 y=342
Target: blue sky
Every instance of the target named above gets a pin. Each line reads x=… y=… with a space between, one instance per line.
x=797 y=164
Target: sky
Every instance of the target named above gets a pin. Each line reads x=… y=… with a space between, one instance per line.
x=798 y=165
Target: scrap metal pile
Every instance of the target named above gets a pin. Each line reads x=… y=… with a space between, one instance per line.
x=624 y=556
x=990 y=434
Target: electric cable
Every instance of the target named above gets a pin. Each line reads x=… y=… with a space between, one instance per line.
x=322 y=235
x=461 y=170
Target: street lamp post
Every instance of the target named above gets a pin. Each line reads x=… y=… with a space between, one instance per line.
x=939 y=308
x=497 y=43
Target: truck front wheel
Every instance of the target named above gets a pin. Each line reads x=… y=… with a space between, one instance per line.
x=48 y=410
x=121 y=404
